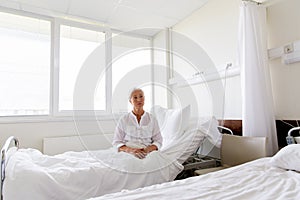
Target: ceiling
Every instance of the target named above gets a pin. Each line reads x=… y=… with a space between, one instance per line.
x=123 y=15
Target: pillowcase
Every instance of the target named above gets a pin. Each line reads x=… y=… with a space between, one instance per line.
x=210 y=128
x=184 y=146
x=213 y=138
x=172 y=122
x=287 y=158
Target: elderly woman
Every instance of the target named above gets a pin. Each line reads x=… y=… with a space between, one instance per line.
x=137 y=132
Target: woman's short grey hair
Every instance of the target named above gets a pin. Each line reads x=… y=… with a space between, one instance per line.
x=132 y=91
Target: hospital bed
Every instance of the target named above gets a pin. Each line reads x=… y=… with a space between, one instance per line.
x=275 y=177
x=30 y=174
x=259 y=179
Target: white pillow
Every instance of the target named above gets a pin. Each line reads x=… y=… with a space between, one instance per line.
x=210 y=128
x=212 y=142
x=172 y=122
x=185 y=145
x=287 y=158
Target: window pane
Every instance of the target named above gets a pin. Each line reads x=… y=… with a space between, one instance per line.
x=76 y=47
x=24 y=65
x=131 y=67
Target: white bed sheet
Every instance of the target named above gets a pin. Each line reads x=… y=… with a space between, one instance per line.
x=253 y=180
x=80 y=175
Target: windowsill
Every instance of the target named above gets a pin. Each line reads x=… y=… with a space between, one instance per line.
x=48 y=118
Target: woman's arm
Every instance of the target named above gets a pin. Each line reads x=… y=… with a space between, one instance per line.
x=156 y=135
x=118 y=139
x=119 y=134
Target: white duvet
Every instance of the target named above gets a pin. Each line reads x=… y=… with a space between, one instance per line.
x=256 y=180
x=80 y=175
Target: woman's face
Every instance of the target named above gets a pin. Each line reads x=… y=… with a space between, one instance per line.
x=137 y=99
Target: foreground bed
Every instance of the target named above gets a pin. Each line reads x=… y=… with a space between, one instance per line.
x=265 y=178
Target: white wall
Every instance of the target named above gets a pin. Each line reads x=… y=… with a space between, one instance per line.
x=284 y=27
x=31 y=134
x=215 y=28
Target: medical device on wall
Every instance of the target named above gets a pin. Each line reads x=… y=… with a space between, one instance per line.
x=290 y=139
x=226 y=71
x=289 y=53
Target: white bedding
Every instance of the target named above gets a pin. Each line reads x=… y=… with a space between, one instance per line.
x=81 y=175
x=254 y=180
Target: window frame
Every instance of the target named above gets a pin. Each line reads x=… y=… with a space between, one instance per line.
x=56 y=58
x=54 y=113
x=50 y=20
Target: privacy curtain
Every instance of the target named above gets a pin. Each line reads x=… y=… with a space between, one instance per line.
x=257 y=101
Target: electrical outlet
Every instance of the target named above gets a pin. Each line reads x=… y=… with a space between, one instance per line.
x=289 y=48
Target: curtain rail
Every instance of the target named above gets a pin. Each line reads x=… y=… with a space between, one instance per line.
x=258 y=3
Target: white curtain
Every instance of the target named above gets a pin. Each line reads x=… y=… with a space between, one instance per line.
x=258 y=112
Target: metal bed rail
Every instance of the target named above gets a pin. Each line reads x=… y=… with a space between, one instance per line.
x=4 y=158
x=290 y=139
x=225 y=128
x=293 y=129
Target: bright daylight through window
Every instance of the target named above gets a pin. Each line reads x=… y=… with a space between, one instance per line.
x=76 y=46
x=24 y=65
x=40 y=72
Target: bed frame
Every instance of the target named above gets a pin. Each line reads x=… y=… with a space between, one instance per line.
x=4 y=158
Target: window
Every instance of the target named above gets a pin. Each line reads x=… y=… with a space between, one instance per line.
x=131 y=67
x=79 y=49
x=45 y=71
x=24 y=65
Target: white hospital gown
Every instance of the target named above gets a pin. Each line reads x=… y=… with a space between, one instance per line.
x=139 y=135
